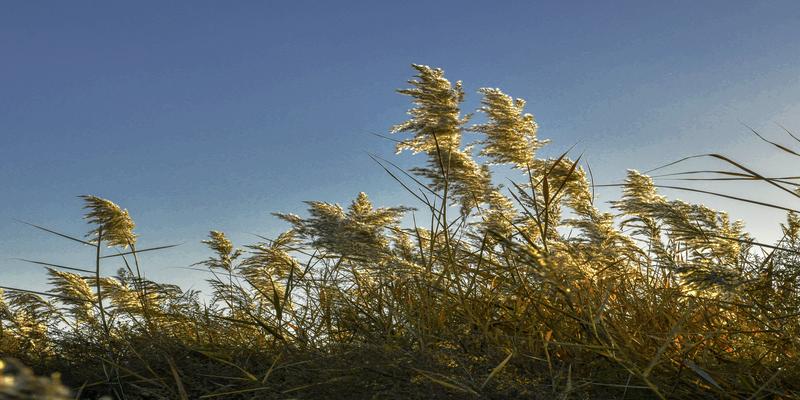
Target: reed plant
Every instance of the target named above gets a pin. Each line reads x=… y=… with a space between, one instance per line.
x=518 y=290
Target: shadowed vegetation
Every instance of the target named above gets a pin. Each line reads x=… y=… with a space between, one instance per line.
x=525 y=290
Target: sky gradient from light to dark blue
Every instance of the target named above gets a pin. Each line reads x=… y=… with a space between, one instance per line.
x=210 y=115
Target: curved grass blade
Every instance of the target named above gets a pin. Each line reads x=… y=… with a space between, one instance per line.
x=57 y=296
x=752 y=173
x=780 y=146
x=55 y=233
x=142 y=250
x=756 y=202
x=54 y=265
x=497 y=369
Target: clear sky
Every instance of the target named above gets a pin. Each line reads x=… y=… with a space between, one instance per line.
x=210 y=115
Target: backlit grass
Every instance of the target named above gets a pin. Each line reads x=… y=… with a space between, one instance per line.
x=522 y=290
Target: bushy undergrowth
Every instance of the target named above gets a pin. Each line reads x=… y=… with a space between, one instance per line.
x=524 y=291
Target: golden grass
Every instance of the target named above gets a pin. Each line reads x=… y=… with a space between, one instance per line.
x=525 y=293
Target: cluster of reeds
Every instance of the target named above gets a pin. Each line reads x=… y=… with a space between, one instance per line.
x=526 y=290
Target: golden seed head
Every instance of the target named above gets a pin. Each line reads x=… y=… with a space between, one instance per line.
x=112 y=223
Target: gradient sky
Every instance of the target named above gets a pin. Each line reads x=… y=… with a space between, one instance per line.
x=210 y=115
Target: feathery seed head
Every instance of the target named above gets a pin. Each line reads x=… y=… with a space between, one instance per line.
x=112 y=223
x=510 y=132
x=436 y=120
x=74 y=292
x=223 y=247
x=219 y=243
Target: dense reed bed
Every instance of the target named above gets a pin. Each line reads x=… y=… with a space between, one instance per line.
x=523 y=290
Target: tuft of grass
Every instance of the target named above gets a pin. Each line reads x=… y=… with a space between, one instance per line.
x=520 y=291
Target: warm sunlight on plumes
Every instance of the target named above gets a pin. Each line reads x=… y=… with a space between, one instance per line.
x=529 y=290
x=112 y=224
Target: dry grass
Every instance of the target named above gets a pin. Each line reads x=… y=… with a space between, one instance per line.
x=531 y=292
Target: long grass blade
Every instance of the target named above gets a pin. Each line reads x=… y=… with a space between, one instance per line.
x=55 y=233
x=141 y=251
x=55 y=265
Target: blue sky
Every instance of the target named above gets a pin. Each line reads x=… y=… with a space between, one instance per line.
x=210 y=115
